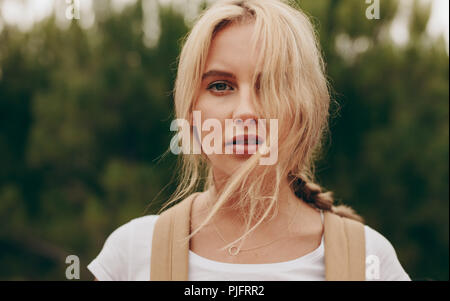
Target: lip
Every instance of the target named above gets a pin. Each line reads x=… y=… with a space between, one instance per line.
x=245 y=139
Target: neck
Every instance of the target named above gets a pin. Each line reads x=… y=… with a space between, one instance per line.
x=230 y=213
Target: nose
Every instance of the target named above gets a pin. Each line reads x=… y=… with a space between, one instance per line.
x=244 y=111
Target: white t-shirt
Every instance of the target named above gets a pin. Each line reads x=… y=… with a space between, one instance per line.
x=127 y=251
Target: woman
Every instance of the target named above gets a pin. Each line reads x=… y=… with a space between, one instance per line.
x=249 y=61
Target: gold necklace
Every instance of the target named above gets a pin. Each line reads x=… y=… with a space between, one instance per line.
x=233 y=250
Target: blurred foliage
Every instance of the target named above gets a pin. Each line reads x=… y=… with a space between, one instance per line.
x=85 y=114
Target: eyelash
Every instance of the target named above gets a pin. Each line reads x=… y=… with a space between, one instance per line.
x=210 y=87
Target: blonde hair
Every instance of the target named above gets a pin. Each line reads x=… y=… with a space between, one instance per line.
x=293 y=89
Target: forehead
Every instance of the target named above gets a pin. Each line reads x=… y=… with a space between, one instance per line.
x=231 y=49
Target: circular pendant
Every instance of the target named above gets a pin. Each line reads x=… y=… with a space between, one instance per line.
x=233 y=251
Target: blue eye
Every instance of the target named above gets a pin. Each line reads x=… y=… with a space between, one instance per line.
x=219 y=87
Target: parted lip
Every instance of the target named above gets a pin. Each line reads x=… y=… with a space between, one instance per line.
x=245 y=139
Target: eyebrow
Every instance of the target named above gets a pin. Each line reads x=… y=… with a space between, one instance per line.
x=218 y=73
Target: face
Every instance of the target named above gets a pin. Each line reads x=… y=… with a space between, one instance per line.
x=226 y=93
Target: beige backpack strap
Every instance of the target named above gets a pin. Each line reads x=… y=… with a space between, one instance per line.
x=345 y=250
x=170 y=250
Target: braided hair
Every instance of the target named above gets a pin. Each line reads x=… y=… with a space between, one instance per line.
x=312 y=193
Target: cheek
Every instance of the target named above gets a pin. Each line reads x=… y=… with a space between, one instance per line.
x=210 y=107
x=205 y=110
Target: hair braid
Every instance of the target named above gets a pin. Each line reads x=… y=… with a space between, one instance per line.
x=312 y=193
